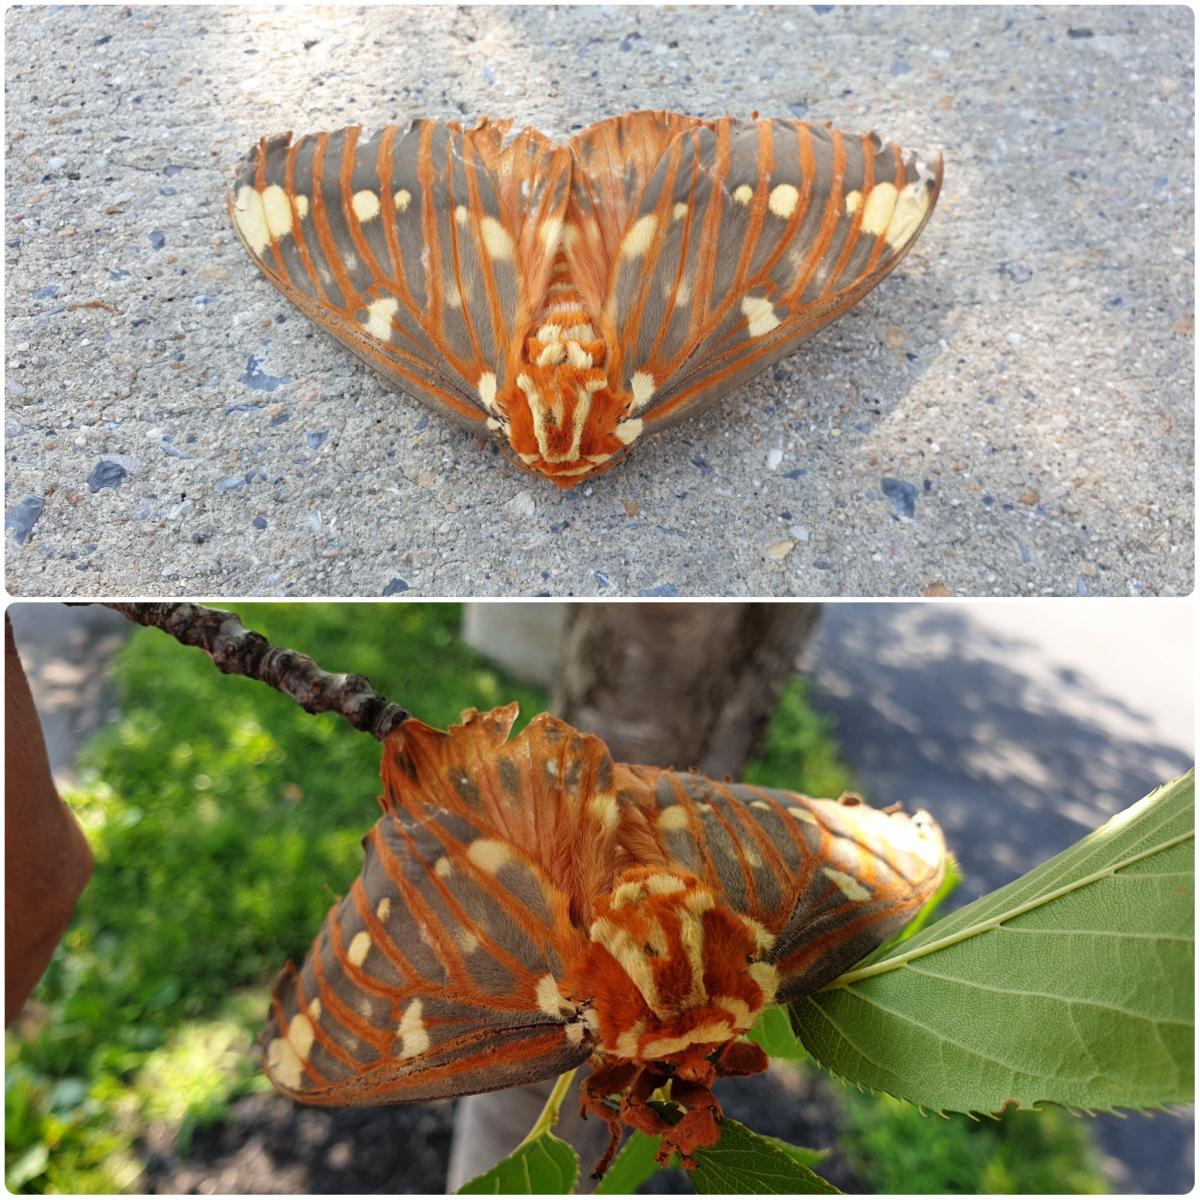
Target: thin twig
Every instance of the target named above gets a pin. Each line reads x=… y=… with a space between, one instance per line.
x=237 y=650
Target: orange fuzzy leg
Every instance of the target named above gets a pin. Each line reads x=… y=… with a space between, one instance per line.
x=606 y=1082
x=742 y=1058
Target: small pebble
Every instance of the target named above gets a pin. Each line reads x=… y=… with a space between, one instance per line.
x=23 y=518
x=395 y=586
x=902 y=495
x=106 y=474
x=780 y=550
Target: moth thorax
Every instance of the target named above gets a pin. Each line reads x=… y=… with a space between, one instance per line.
x=682 y=972
x=565 y=338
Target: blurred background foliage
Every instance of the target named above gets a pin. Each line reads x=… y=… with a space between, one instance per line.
x=225 y=821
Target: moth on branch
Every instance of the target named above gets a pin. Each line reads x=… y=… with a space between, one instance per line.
x=236 y=650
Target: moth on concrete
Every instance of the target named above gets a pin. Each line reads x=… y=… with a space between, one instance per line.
x=572 y=296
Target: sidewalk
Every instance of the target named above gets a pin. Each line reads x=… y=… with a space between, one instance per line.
x=1011 y=412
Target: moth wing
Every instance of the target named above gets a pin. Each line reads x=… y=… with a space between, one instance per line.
x=438 y=974
x=549 y=791
x=417 y=247
x=613 y=161
x=831 y=880
x=747 y=238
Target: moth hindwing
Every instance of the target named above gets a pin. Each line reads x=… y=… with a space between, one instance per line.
x=526 y=905
x=570 y=297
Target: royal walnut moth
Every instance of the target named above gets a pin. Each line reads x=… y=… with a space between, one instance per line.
x=568 y=297
x=527 y=906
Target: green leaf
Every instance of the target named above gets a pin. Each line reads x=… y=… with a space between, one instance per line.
x=773 y=1032
x=744 y=1162
x=543 y=1166
x=632 y=1166
x=802 y=1154
x=1072 y=985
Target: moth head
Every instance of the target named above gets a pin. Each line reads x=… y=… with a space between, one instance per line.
x=681 y=971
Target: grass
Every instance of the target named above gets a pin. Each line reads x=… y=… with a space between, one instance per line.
x=224 y=822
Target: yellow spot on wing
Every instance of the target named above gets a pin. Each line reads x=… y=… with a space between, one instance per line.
x=496 y=239
x=277 y=209
x=629 y=431
x=783 y=200
x=314 y=1008
x=637 y=241
x=300 y=1034
x=283 y=1063
x=414 y=1037
x=760 y=315
x=908 y=214
x=744 y=194
x=487 y=390
x=679 y=211
x=365 y=205
x=442 y=867
x=642 y=387
x=674 y=816
x=379 y=317
x=250 y=219
x=548 y=999
x=461 y=214
x=878 y=213
x=402 y=199
x=359 y=947
x=488 y=854
x=802 y=814
x=468 y=943
x=603 y=807
x=847 y=884
x=551 y=233
x=301 y=205
x=853 y=200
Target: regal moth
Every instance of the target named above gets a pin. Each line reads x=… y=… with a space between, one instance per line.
x=527 y=906
x=569 y=297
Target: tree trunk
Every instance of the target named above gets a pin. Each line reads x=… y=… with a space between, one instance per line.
x=680 y=685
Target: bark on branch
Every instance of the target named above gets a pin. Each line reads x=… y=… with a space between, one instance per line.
x=237 y=650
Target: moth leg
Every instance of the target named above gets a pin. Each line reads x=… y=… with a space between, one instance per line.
x=600 y=1084
x=700 y=1126
x=742 y=1058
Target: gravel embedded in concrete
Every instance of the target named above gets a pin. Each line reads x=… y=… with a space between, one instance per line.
x=1011 y=412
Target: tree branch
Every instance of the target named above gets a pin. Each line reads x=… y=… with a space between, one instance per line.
x=236 y=650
